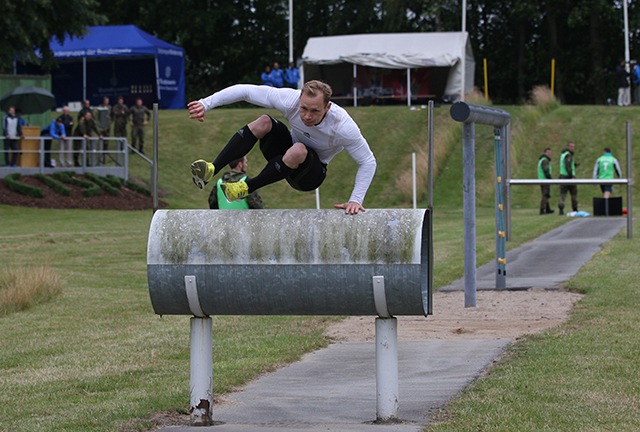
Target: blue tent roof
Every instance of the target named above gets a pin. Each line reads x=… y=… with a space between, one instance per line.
x=116 y=40
x=123 y=43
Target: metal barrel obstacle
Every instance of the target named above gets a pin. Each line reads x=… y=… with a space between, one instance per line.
x=291 y=262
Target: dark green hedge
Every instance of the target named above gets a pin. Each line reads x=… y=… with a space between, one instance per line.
x=53 y=184
x=22 y=188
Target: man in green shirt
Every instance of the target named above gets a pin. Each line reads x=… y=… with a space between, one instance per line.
x=544 y=173
x=568 y=171
x=607 y=167
x=238 y=172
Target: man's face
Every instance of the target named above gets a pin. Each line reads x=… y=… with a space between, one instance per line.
x=312 y=109
x=548 y=153
x=571 y=146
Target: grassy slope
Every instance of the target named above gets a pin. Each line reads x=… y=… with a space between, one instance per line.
x=97 y=356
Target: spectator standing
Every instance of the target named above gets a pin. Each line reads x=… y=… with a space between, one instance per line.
x=140 y=116
x=292 y=76
x=64 y=155
x=86 y=106
x=568 y=171
x=636 y=83
x=55 y=131
x=12 y=131
x=119 y=115
x=103 y=119
x=266 y=79
x=238 y=172
x=607 y=167
x=86 y=129
x=277 y=76
x=622 y=80
x=544 y=173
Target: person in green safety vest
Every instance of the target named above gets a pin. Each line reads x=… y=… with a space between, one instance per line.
x=544 y=173
x=607 y=167
x=568 y=171
x=238 y=172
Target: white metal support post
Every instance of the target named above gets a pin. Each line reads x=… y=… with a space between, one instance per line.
x=386 y=369
x=201 y=383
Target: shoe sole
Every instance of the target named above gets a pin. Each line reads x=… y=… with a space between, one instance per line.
x=195 y=176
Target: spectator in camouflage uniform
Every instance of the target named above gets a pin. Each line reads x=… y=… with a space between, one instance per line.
x=86 y=128
x=119 y=114
x=138 y=113
x=238 y=172
x=103 y=119
x=86 y=106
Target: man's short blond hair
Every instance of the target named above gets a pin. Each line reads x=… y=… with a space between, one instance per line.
x=315 y=87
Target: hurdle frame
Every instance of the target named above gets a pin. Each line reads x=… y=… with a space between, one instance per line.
x=628 y=181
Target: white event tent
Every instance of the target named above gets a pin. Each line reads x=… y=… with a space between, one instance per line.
x=381 y=65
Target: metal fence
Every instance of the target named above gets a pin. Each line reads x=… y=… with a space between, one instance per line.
x=44 y=155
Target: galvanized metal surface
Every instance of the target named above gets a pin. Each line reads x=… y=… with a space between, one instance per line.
x=470 y=113
x=289 y=262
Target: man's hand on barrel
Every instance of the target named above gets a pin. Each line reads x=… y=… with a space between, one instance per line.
x=350 y=207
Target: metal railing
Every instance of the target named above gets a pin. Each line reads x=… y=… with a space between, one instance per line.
x=45 y=155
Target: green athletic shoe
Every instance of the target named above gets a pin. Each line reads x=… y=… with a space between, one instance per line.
x=202 y=172
x=235 y=191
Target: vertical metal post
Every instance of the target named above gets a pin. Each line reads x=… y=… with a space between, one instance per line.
x=154 y=173
x=386 y=369
x=413 y=179
x=629 y=184
x=430 y=132
x=408 y=87
x=469 y=200
x=355 y=85
x=201 y=383
x=501 y=255
x=507 y=179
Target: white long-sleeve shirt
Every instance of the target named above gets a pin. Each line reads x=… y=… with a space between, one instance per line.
x=336 y=132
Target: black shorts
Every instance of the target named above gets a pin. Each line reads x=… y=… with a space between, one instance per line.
x=606 y=188
x=310 y=174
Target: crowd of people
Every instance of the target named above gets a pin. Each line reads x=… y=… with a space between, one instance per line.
x=273 y=76
x=93 y=124
x=606 y=167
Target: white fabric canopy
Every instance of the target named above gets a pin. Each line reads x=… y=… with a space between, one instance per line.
x=399 y=51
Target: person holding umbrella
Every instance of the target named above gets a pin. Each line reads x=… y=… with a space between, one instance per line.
x=12 y=130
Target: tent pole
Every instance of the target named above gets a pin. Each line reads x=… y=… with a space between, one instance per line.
x=408 y=87
x=157 y=79
x=355 y=87
x=84 y=79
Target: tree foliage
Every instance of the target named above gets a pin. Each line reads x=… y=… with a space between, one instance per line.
x=30 y=25
x=230 y=41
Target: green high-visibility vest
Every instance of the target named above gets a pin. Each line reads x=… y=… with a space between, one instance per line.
x=541 y=174
x=563 y=168
x=223 y=204
x=606 y=166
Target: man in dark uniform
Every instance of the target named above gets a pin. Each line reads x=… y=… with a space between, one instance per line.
x=140 y=116
x=119 y=114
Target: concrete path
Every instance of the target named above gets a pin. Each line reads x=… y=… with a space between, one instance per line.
x=334 y=389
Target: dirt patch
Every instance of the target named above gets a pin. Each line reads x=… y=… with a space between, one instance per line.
x=497 y=315
x=126 y=199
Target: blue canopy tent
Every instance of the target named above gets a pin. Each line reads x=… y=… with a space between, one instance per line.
x=119 y=60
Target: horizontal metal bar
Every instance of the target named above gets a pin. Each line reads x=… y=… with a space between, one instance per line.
x=470 y=113
x=566 y=181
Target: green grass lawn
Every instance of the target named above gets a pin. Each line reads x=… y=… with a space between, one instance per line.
x=97 y=357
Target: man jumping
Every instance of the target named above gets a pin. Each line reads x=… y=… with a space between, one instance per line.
x=320 y=129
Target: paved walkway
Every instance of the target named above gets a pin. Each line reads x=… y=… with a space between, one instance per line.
x=334 y=389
